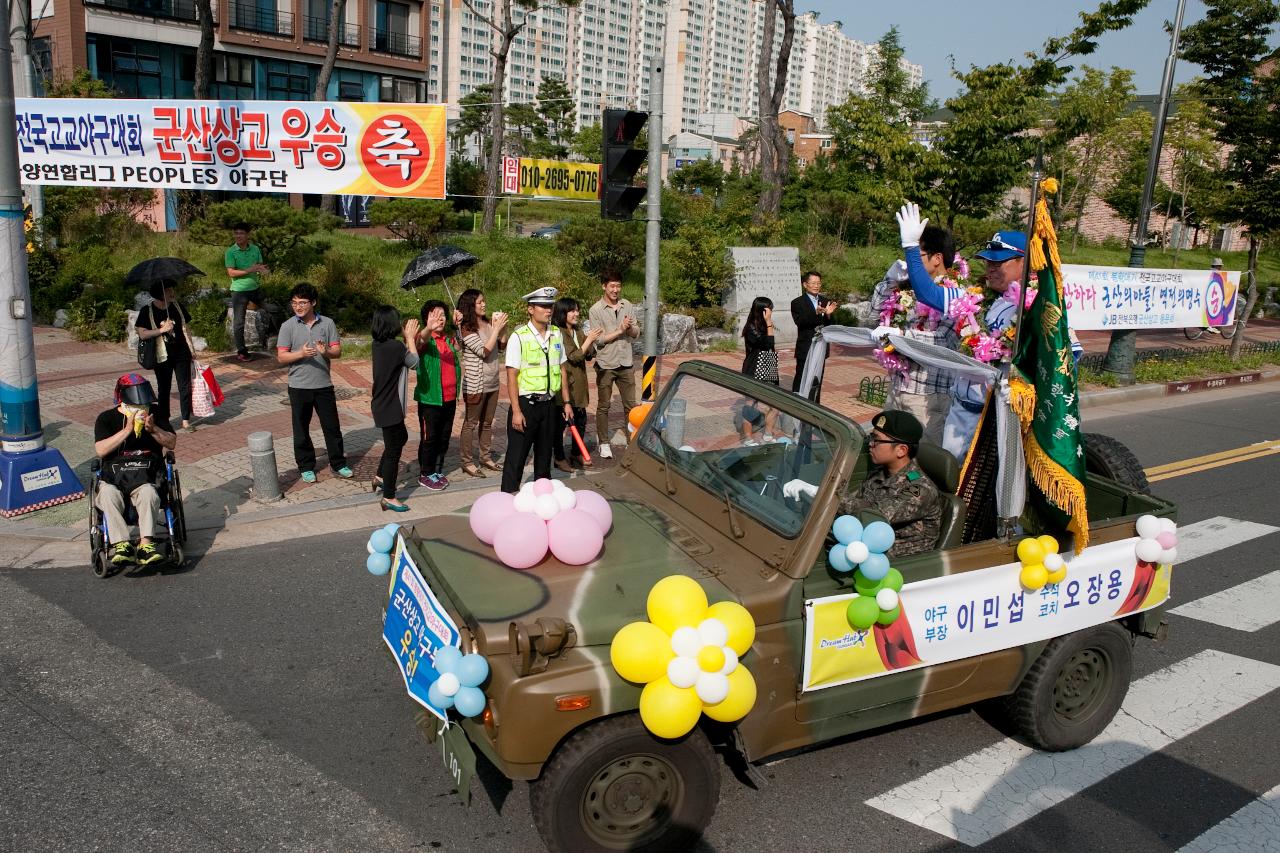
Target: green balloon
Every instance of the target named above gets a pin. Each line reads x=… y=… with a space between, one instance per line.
x=862 y=612
x=888 y=617
x=893 y=580
x=866 y=586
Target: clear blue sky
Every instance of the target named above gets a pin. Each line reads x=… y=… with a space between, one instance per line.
x=980 y=32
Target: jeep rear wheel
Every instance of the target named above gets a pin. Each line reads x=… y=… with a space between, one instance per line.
x=615 y=786
x=1074 y=688
x=1110 y=458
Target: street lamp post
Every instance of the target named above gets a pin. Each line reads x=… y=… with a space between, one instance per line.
x=32 y=476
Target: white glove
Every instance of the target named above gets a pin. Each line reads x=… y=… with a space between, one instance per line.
x=883 y=331
x=897 y=271
x=910 y=225
x=796 y=488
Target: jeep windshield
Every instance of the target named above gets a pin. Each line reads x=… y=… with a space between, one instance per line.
x=740 y=448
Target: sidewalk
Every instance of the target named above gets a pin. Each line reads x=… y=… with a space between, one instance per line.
x=76 y=382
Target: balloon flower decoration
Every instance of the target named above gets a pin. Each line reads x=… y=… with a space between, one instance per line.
x=458 y=681
x=687 y=658
x=1041 y=562
x=381 y=543
x=876 y=583
x=1157 y=540
x=544 y=515
x=636 y=417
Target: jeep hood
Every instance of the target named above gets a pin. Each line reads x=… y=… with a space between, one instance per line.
x=597 y=599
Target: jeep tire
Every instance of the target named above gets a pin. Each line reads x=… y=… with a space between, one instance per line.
x=1073 y=689
x=1108 y=457
x=614 y=786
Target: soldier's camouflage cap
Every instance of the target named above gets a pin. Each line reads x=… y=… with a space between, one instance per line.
x=900 y=426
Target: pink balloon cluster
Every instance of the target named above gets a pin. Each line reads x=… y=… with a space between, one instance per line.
x=545 y=515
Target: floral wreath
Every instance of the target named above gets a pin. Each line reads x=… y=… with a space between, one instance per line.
x=969 y=313
x=903 y=311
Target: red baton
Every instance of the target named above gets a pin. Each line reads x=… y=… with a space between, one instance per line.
x=582 y=447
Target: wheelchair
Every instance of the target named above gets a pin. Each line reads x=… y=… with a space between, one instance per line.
x=173 y=518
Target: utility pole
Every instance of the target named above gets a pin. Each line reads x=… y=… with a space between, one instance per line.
x=1122 y=352
x=24 y=79
x=653 y=233
x=32 y=476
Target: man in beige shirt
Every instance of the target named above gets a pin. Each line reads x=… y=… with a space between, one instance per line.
x=616 y=319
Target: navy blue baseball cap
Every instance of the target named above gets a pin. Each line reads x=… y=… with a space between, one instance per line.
x=1005 y=245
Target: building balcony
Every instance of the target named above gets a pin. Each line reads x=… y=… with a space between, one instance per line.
x=256 y=19
x=178 y=10
x=397 y=44
x=317 y=29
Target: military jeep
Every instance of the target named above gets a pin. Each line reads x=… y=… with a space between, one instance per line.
x=693 y=495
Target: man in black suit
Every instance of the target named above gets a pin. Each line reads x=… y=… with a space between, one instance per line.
x=809 y=311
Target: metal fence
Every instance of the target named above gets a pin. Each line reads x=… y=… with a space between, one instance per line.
x=872 y=390
x=400 y=44
x=180 y=10
x=317 y=29
x=245 y=16
x=1097 y=361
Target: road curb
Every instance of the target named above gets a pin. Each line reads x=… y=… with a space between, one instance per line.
x=1113 y=396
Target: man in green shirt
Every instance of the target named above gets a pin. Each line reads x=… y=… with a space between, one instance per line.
x=244 y=264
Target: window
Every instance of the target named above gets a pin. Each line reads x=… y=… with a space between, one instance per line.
x=289 y=81
x=234 y=69
x=350 y=90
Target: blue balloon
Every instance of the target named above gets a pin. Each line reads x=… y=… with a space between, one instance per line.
x=378 y=564
x=469 y=702
x=435 y=697
x=875 y=567
x=878 y=537
x=381 y=541
x=847 y=529
x=472 y=670
x=838 y=560
x=447 y=660
x=393 y=528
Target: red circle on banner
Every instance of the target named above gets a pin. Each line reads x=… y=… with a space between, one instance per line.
x=395 y=151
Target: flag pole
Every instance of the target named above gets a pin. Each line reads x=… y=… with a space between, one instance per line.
x=1037 y=173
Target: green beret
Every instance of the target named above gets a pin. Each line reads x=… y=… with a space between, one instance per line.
x=900 y=426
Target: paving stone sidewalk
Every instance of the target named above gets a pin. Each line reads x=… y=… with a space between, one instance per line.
x=76 y=381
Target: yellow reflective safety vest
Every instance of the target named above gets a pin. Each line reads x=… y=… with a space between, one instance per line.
x=539 y=366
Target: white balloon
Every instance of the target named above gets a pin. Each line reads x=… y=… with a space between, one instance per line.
x=730 y=661
x=368 y=546
x=524 y=501
x=685 y=642
x=560 y=486
x=712 y=632
x=1148 y=550
x=712 y=688
x=448 y=684
x=683 y=672
x=1167 y=525
x=565 y=498
x=856 y=552
x=887 y=599
x=687 y=448
x=1053 y=562
x=546 y=507
x=1169 y=556
x=1148 y=527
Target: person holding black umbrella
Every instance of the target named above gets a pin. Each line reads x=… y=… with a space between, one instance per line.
x=167 y=321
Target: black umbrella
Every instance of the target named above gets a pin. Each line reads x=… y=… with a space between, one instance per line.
x=157 y=269
x=435 y=265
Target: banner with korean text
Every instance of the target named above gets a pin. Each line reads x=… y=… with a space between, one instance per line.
x=415 y=627
x=262 y=146
x=1140 y=298
x=974 y=613
x=551 y=178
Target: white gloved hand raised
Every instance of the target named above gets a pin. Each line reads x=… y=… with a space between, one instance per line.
x=883 y=331
x=897 y=271
x=795 y=488
x=910 y=225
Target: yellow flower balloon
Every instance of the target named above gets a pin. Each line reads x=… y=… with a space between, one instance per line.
x=742 y=628
x=1048 y=543
x=1030 y=551
x=669 y=711
x=676 y=601
x=1034 y=577
x=741 y=698
x=641 y=652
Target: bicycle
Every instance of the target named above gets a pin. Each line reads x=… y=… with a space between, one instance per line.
x=1194 y=333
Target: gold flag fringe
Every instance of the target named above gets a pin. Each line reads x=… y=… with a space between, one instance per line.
x=1022 y=399
x=1057 y=484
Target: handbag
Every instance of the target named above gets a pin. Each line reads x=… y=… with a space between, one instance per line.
x=201 y=399
x=152 y=351
x=767 y=366
x=215 y=390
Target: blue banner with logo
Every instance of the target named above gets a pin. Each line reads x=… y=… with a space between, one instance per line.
x=415 y=627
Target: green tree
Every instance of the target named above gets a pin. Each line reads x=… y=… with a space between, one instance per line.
x=81 y=84
x=417 y=221
x=1128 y=144
x=890 y=84
x=1196 y=183
x=473 y=116
x=771 y=86
x=700 y=256
x=704 y=175
x=555 y=107
x=1230 y=42
x=465 y=180
x=587 y=144
x=526 y=127
x=600 y=245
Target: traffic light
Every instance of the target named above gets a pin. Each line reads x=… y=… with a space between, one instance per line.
x=618 y=198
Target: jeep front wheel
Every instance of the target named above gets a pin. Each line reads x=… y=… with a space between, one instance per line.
x=615 y=786
x=1074 y=688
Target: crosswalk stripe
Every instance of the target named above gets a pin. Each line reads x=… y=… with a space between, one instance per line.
x=1250 y=606
x=1255 y=828
x=978 y=797
x=1213 y=534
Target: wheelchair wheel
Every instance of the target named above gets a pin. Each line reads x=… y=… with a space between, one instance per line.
x=179 y=512
x=101 y=565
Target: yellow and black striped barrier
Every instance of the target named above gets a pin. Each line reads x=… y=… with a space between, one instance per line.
x=649 y=379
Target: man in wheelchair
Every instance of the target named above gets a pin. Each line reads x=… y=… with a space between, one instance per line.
x=130 y=441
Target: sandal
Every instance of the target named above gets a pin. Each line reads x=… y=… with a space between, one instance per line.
x=471 y=470
x=490 y=464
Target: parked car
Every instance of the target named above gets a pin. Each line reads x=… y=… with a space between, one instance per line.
x=549 y=232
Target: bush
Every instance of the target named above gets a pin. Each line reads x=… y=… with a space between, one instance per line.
x=349 y=290
x=209 y=321
x=91 y=317
x=703 y=267
x=278 y=229
x=599 y=245
x=47 y=296
x=417 y=221
x=710 y=317
x=77 y=216
x=465 y=178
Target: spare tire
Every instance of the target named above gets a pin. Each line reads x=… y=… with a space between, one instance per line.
x=1107 y=457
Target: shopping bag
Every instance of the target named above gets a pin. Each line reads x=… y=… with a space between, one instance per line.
x=201 y=399
x=215 y=390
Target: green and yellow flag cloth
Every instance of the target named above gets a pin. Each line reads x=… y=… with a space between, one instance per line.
x=1043 y=386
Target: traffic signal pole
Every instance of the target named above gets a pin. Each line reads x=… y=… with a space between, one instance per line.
x=653 y=234
x=32 y=476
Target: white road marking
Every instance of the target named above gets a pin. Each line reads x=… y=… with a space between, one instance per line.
x=1251 y=606
x=1253 y=829
x=991 y=791
x=1213 y=534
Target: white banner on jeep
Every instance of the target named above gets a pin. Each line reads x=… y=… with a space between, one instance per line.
x=974 y=613
x=1130 y=298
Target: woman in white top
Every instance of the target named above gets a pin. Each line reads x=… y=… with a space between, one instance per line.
x=481 y=337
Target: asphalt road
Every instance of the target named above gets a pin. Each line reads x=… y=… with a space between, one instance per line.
x=247 y=703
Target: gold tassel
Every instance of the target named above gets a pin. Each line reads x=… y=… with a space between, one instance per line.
x=1063 y=490
x=1022 y=399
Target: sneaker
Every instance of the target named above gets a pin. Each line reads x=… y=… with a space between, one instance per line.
x=441 y=478
x=750 y=442
x=308 y=476
x=148 y=554
x=606 y=451
x=345 y=473
x=1211 y=330
x=121 y=554
x=425 y=480
x=434 y=482
x=242 y=356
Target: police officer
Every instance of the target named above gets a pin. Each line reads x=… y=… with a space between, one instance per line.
x=537 y=390
x=897 y=489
